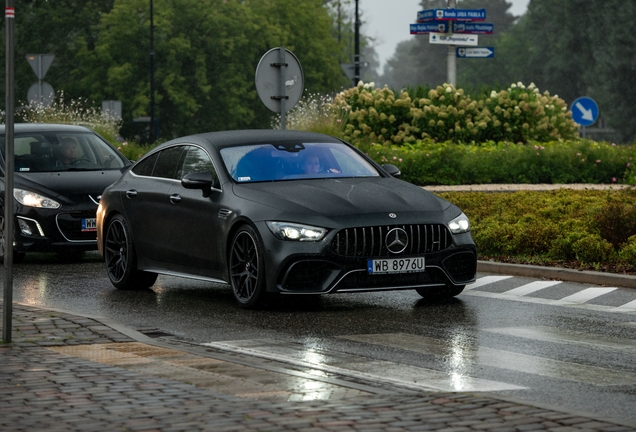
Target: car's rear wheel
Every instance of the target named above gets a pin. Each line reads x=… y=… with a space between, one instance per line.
x=121 y=261
x=440 y=293
x=247 y=271
x=17 y=256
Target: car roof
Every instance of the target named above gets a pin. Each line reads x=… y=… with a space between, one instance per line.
x=223 y=139
x=45 y=127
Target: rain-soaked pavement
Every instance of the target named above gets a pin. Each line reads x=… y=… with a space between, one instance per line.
x=563 y=344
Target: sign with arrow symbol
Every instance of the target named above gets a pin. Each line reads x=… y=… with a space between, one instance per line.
x=584 y=111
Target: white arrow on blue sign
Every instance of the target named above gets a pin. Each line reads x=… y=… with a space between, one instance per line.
x=477 y=52
x=452 y=14
x=584 y=111
x=429 y=27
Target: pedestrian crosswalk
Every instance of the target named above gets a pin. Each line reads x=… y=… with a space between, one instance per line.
x=462 y=363
x=536 y=292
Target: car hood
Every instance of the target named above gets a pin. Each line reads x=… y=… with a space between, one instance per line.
x=67 y=186
x=342 y=197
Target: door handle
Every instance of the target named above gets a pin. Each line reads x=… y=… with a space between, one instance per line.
x=175 y=198
x=131 y=193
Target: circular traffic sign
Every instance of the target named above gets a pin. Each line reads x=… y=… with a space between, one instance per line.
x=584 y=111
x=41 y=93
x=268 y=80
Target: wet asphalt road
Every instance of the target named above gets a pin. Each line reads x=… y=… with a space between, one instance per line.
x=562 y=356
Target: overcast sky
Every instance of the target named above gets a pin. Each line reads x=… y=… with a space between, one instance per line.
x=388 y=22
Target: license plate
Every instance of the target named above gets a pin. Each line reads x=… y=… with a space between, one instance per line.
x=396 y=265
x=89 y=224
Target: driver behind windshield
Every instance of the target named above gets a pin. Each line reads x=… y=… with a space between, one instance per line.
x=68 y=152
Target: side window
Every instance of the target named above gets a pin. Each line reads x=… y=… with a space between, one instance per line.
x=197 y=160
x=168 y=163
x=145 y=167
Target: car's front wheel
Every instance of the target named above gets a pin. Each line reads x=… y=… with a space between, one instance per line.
x=440 y=293
x=247 y=271
x=121 y=261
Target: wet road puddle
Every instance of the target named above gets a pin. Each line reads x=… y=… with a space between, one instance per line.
x=210 y=373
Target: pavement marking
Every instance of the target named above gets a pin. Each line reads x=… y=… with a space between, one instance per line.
x=573 y=337
x=486 y=280
x=628 y=307
x=461 y=354
x=378 y=371
x=531 y=288
x=585 y=296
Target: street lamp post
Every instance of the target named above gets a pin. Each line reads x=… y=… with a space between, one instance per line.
x=152 y=78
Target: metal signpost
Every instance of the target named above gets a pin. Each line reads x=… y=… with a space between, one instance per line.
x=584 y=112
x=9 y=14
x=279 y=81
x=41 y=92
x=455 y=27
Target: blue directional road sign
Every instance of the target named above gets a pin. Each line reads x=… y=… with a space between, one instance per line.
x=584 y=111
x=476 y=52
x=451 y=14
x=429 y=27
x=473 y=28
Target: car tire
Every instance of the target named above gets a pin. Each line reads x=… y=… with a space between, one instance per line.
x=121 y=259
x=17 y=256
x=440 y=293
x=247 y=269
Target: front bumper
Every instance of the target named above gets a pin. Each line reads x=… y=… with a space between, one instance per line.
x=42 y=230
x=314 y=268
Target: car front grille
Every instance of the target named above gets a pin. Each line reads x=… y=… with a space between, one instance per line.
x=372 y=241
x=461 y=266
x=70 y=225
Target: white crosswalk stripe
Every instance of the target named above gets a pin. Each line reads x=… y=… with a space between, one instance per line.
x=411 y=377
x=585 y=295
x=485 y=281
x=628 y=307
x=459 y=356
x=531 y=287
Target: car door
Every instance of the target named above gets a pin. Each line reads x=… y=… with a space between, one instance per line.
x=148 y=206
x=199 y=243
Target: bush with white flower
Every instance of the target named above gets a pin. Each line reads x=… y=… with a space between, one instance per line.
x=518 y=114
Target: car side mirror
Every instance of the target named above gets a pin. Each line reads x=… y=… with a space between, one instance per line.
x=200 y=180
x=392 y=170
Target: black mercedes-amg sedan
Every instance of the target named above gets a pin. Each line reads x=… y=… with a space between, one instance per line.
x=60 y=172
x=280 y=212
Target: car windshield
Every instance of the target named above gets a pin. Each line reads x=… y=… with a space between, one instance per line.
x=289 y=161
x=61 y=151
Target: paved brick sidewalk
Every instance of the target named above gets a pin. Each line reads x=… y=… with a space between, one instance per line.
x=43 y=389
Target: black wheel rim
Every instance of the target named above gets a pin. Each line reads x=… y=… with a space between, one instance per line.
x=116 y=251
x=244 y=266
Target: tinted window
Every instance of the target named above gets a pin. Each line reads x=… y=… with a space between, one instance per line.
x=168 y=163
x=145 y=166
x=196 y=160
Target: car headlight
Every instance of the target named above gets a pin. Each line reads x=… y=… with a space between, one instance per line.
x=296 y=232
x=32 y=199
x=459 y=225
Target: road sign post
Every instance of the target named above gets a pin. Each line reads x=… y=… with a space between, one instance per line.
x=453 y=27
x=279 y=81
x=584 y=112
x=41 y=92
